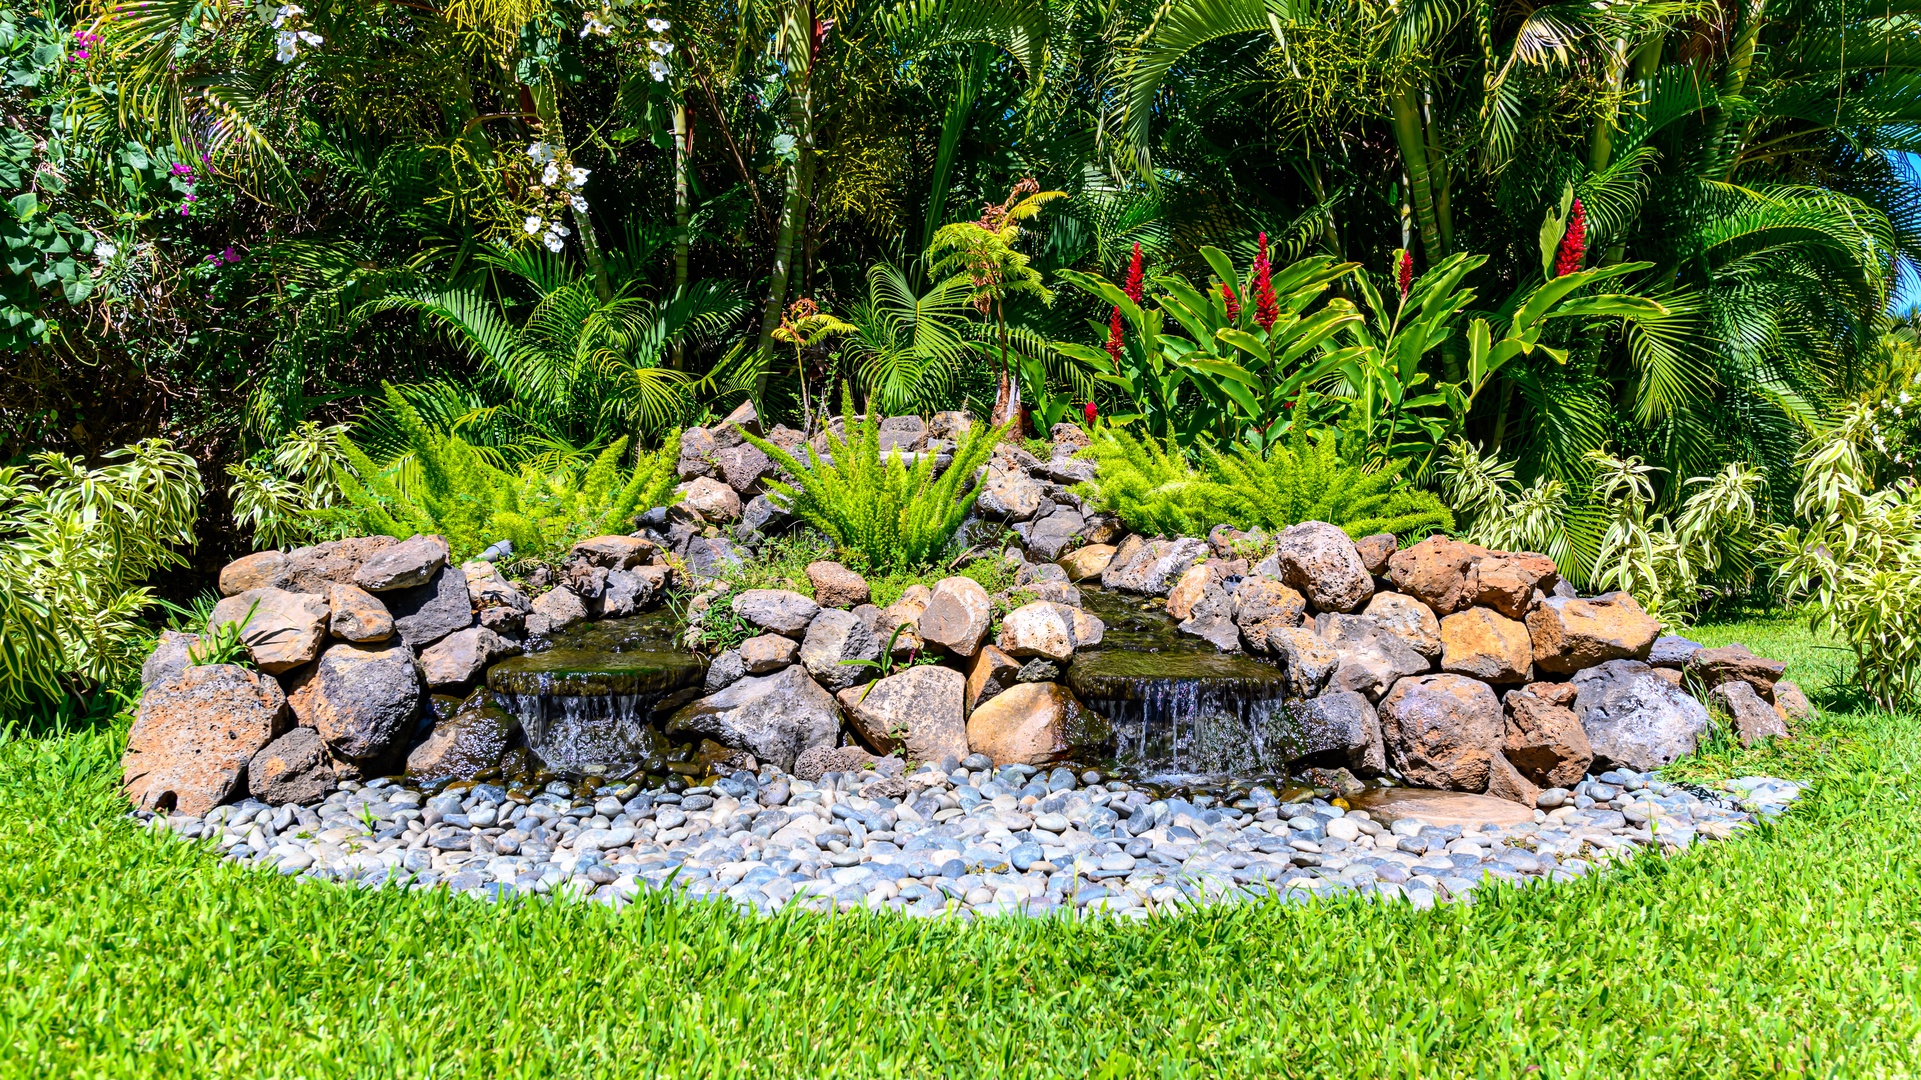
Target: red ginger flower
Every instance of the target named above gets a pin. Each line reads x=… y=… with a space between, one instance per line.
x=1134 y=276
x=1573 y=242
x=1114 y=337
x=1233 y=302
x=1090 y=412
x=1266 y=307
x=1404 y=273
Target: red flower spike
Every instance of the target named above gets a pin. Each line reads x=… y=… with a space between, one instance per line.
x=1091 y=413
x=1404 y=274
x=1573 y=242
x=1266 y=307
x=1233 y=302
x=1114 y=337
x=1134 y=277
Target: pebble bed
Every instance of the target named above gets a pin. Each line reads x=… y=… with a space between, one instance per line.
x=972 y=840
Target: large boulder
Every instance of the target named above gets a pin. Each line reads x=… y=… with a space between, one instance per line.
x=357 y=615
x=362 y=699
x=293 y=768
x=957 y=616
x=1634 y=719
x=1372 y=663
x=1506 y=581
x=921 y=712
x=834 y=638
x=1442 y=731
x=1487 y=645
x=1048 y=630
x=1435 y=571
x=1714 y=667
x=465 y=744
x=413 y=561
x=1087 y=562
x=1263 y=606
x=313 y=569
x=260 y=570
x=1408 y=619
x=1010 y=496
x=282 y=629
x=1340 y=726
x=1052 y=534
x=1753 y=719
x=1321 y=561
x=455 y=661
x=777 y=610
x=903 y=615
x=1571 y=634
x=613 y=552
x=1034 y=723
x=194 y=734
x=992 y=672
x=1151 y=566
x=426 y=613
x=1544 y=739
x=556 y=609
x=835 y=586
x=773 y=717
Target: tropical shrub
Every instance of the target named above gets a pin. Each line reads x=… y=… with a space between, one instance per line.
x=275 y=492
x=1155 y=490
x=1859 y=558
x=874 y=507
x=443 y=484
x=75 y=545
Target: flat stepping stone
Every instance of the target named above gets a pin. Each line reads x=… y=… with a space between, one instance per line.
x=1470 y=812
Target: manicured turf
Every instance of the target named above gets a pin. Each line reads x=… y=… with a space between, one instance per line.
x=1795 y=951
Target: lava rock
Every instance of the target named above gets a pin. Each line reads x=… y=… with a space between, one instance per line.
x=1263 y=606
x=774 y=717
x=313 y=569
x=1753 y=719
x=1375 y=551
x=766 y=653
x=556 y=609
x=1321 y=562
x=282 y=629
x=194 y=734
x=1434 y=572
x=1634 y=719
x=1087 y=562
x=1544 y=739
x=613 y=552
x=835 y=586
x=1572 y=635
x=1342 y=724
x=260 y=570
x=462 y=656
x=361 y=698
x=414 y=561
x=293 y=768
x=426 y=613
x=1151 y=567
x=1482 y=643
x=466 y=744
x=992 y=672
x=1055 y=532
x=358 y=615
x=1408 y=619
x=903 y=615
x=833 y=637
x=1306 y=659
x=745 y=468
x=1506 y=581
x=171 y=656
x=1714 y=667
x=1048 y=630
x=1442 y=731
x=1672 y=651
x=726 y=669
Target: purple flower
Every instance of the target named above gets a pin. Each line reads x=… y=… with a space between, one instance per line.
x=230 y=254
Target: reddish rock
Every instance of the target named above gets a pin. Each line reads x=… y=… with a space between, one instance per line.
x=1189 y=590
x=921 y=712
x=313 y=569
x=1262 y=607
x=1408 y=619
x=993 y=672
x=1482 y=643
x=611 y=552
x=1504 y=781
x=1442 y=731
x=194 y=735
x=1571 y=634
x=1506 y=581
x=357 y=615
x=1544 y=739
x=1375 y=551
x=1034 y=723
x=835 y=586
x=1713 y=667
x=282 y=629
x=262 y=569
x=1434 y=572
x=1319 y=560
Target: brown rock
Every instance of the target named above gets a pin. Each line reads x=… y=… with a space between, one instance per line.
x=1189 y=590
x=456 y=660
x=1049 y=630
x=1408 y=619
x=611 y=552
x=1151 y=567
x=1504 y=781
x=1068 y=439
x=1442 y=731
x=1087 y=562
x=768 y=652
x=1544 y=739
x=957 y=617
x=696 y=454
x=920 y=712
x=714 y=500
x=1713 y=667
x=835 y=586
x=357 y=615
x=1506 y=581
x=1033 y=723
x=1307 y=659
x=260 y=570
x=413 y=561
x=1434 y=572
x=556 y=609
x=194 y=734
x=1753 y=719
x=1572 y=634
x=903 y=615
x=817 y=761
x=293 y=768
x=282 y=629
x=1319 y=560
x=1375 y=551
x=1263 y=606
x=1483 y=644
x=1791 y=704
x=1674 y=676
x=993 y=672
x=312 y=569
x=1443 y=808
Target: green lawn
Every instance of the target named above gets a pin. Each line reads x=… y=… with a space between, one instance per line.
x=1792 y=952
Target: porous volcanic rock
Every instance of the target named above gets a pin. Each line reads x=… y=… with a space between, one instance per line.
x=1635 y=719
x=413 y=561
x=1442 y=731
x=293 y=768
x=282 y=629
x=194 y=734
x=1572 y=634
x=362 y=699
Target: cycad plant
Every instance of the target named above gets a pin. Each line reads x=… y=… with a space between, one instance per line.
x=873 y=506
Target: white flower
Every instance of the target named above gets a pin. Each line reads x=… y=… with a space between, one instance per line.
x=541 y=152
x=309 y=37
x=658 y=69
x=104 y=250
x=286 y=11
x=594 y=25
x=576 y=177
x=285 y=47
x=556 y=237
x=659 y=26
x=532 y=224
x=1905 y=398
x=579 y=204
x=661 y=48
x=550 y=175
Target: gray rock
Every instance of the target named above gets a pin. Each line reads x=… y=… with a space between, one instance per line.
x=1217 y=630
x=764 y=516
x=904 y=433
x=361 y=698
x=462 y=656
x=745 y=468
x=1052 y=535
x=556 y=609
x=426 y=613
x=358 y=615
x=169 y=657
x=920 y=711
x=696 y=453
x=1634 y=719
x=957 y=616
x=1373 y=664
x=466 y=744
x=835 y=636
x=628 y=592
x=1753 y=719
x=774 y=717
x=1152 y=566
x=412 y=562
x=779 y=611
x=1672 y=651
x=727 y=669
x=291 y=769
x=715 y=557
x=1010 y=496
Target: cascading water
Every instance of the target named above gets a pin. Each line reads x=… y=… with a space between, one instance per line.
x=592 y=705
x=1177 y=704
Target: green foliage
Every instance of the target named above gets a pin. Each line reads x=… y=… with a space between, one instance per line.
x=275 y=494
x=75 y=545
x=875 y=509
x=443 y=484
x=1156 y=491
x=224 y=642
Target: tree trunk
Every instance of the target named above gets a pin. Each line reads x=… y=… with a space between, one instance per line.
x=1007 y=393
x=797 y=47
x=683 y=213
x=1412 y=141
